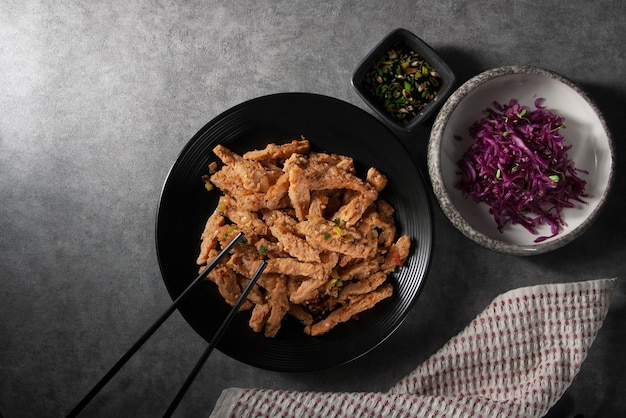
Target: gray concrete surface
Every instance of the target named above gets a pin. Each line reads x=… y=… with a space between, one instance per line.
x=98 y=98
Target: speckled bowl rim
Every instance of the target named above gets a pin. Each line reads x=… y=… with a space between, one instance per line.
x=439 y=188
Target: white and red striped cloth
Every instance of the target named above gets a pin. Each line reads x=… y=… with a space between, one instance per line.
x=515 y=359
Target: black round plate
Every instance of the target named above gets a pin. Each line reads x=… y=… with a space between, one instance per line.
x=333 y=126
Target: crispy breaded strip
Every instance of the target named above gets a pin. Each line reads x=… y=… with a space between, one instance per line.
x=259 y=316
x=314 y=272
x=276 y=197
x=322 y=234
x=377 y=179
x=320 y=162
x=292 y=284
x=227 y=180
x=361 y=270
x=299 y=193
x=375 y=221
x=294 y=245
x=329 y=261
x=352 y=212
x=319 y=201
x=358 y=304
x=334 y=178
x=308 y=290
x=282 y=228
x=227 y=156
x=403 y=246
x=209 y=236
x=300 y=313
x=244 y=260
x=279 y=302
x=385 y=209
x=256 y=295
x=279 y=152
x=362 y=286
x=292 y=267
x=252 y=174
x=311 y=288
x=295 y=159
x=397 y=254
x=247 y=221
x=270 y=249
x=227 y=285
x=252 y=201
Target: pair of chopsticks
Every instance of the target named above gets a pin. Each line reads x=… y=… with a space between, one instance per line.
x=181 y=393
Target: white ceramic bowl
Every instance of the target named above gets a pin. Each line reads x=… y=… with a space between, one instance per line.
x=586 y=131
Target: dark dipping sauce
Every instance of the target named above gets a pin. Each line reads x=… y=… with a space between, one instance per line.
x=402 y=82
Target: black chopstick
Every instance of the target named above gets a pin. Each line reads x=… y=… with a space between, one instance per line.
x=214 y=341
x=120 y=363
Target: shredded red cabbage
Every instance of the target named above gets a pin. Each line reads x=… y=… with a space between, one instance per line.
x=519 y=166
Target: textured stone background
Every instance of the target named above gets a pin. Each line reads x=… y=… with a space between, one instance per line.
x=98 y=98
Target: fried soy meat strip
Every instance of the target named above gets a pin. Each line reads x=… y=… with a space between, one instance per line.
x=329 y=241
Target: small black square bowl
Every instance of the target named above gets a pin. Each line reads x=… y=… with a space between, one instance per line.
x=363 y=80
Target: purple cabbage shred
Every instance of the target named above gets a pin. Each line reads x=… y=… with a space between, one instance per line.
x=518 y=165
